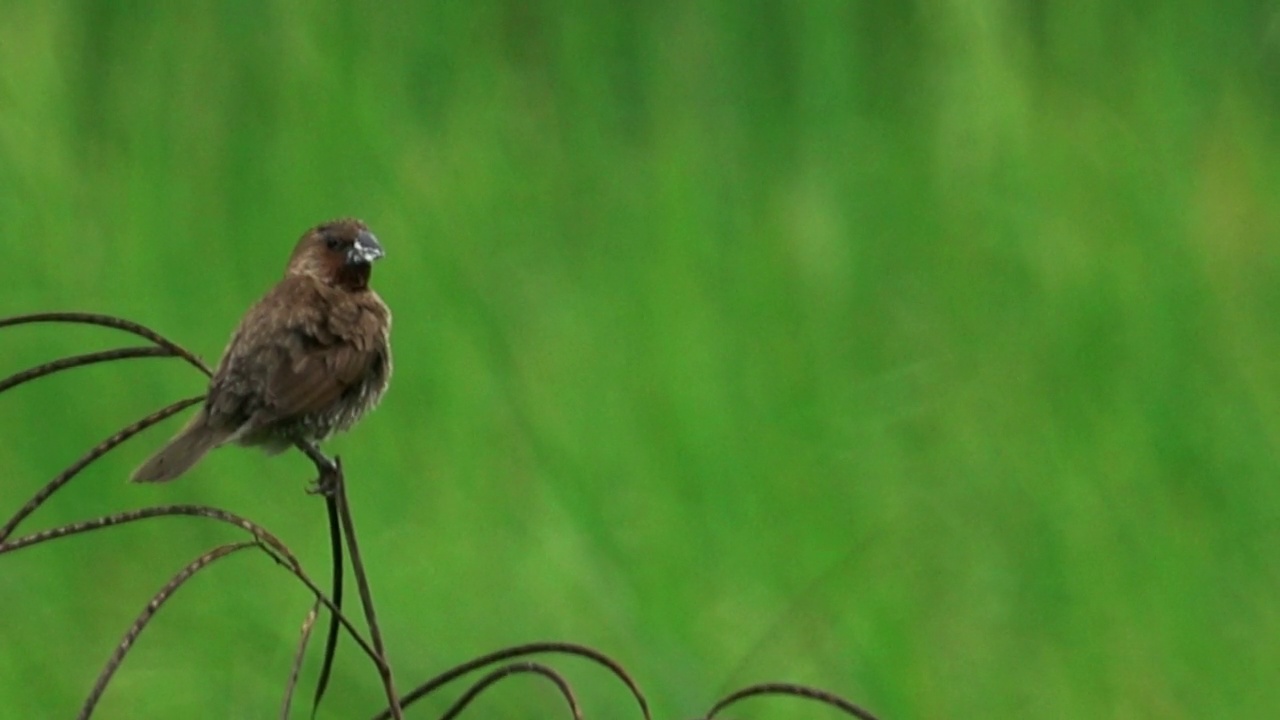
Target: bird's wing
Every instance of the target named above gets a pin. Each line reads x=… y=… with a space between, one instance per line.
x=295 y=352
x=312 y=375
x=328 y=348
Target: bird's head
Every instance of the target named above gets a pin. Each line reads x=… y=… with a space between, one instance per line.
x=339 y=253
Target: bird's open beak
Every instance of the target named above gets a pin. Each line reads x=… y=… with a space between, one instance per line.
x=365 y=250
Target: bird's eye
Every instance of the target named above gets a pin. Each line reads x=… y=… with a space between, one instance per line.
x=332 y=243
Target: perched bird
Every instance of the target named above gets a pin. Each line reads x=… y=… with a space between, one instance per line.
x=308 y=360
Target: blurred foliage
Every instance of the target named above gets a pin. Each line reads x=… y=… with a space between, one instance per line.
x=923 y=351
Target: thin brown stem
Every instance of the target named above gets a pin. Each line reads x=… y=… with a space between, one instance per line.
x=139 y=624
x=76 y=361
x=111 y=322
x=562 y=648
x=123 y=518
x=272 y=545
x=308 y=624
x=507 y=671
x=362 y=584
x=331 y=640
x=98 y=451
x=337 y=612
x=792 y=690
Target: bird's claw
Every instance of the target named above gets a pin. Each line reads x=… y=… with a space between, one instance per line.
x=326 y=484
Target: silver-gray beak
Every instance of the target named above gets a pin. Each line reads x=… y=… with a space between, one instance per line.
x=365 y=249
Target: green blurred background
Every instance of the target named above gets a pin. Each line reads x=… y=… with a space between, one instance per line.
x=922 y=351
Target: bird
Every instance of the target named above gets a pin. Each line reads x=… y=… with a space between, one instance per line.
x=308 y=360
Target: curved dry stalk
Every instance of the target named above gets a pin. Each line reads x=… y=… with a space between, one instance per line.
x=76 y=361
x=308 y=624
x=96 y=452
x=331 y=640
x=520 y=650
x=123 y=518
x=792 y=690
x=163 y=348
x=116 y=323
x=336 y=482
x=507 y=671
x=332 y=484
x=330 y=606
x=140 y=623
x=270 y=544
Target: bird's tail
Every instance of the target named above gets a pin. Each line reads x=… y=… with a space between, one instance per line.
x=182 y=452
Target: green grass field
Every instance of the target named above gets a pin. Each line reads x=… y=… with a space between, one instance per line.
x=923 y=352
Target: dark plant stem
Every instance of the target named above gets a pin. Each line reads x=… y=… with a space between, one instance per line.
x=308 y=624
x=507 y=671
x=98 y=451
x=791 y=690
x=110 y=321
x=76 y=361
x=139 y=624
x=202 y=511
x=331 y=641
x=559 y=648
x=362 y=584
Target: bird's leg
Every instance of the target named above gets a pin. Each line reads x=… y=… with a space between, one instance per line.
x=330 y=471
x=330 y=477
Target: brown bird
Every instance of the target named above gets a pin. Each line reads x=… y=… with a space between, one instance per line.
x=308 y=360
